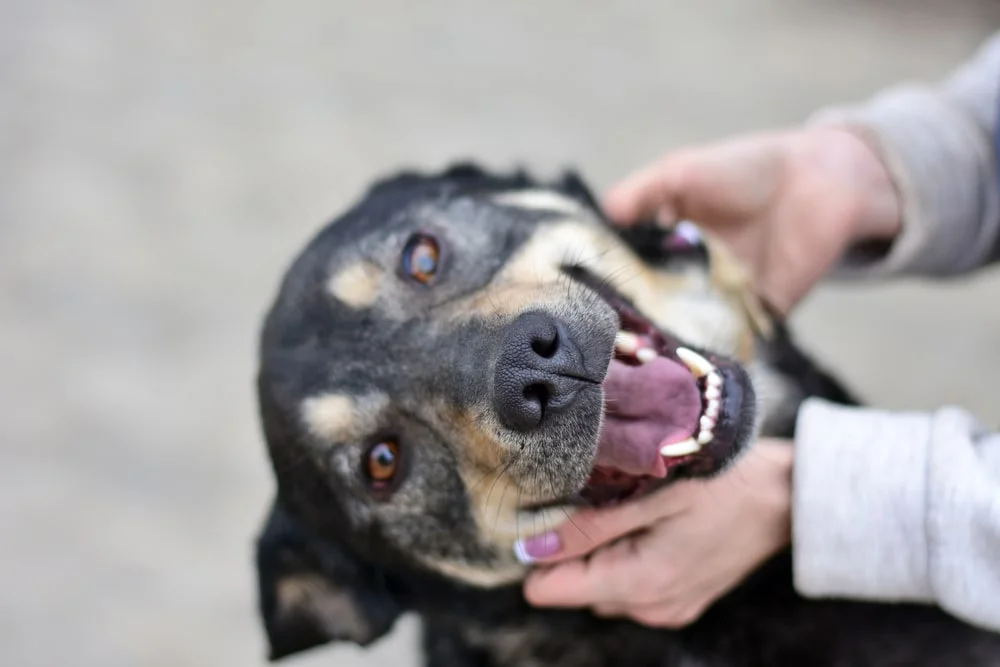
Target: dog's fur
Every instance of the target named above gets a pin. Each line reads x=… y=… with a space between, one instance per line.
x=352 y=352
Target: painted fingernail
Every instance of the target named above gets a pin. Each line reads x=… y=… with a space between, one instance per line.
x=537 y=546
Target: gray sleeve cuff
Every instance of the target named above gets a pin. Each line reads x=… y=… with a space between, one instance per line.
x=859 y=504
x=943 y=166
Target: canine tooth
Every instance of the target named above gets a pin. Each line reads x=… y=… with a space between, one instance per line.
x=712 y=409
x=626 y=342
x=697 y=364
x=713 y=393
x=645 y=355
x=682 y=448
x=707 y=423
x=713 y=379
x=705 y=437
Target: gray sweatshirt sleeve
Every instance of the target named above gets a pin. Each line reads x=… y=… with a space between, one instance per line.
x=906 y=506
x=939 y=145
x=898 y=507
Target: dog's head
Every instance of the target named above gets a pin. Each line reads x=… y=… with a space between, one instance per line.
x=463 y=359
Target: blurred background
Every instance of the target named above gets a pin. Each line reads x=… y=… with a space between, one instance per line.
x=161 y=161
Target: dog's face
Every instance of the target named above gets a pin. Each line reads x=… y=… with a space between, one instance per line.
x=463 y=360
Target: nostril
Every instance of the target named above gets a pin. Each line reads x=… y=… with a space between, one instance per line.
x=537 y=373
x=546 y=345
x=537 y=394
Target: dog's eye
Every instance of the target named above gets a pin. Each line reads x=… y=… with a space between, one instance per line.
x=420 y=258
x=383 y=460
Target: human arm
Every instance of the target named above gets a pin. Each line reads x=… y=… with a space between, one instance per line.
x=914 y=171
x=894 y=506
x=905 y=184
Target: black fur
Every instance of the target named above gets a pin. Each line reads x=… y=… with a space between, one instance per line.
x=367 y=584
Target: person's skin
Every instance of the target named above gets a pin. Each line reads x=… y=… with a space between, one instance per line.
x=789 y=203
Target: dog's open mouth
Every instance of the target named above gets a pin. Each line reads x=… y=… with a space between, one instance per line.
x=667 y=406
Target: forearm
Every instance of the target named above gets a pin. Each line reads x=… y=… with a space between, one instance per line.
x=938 y=143
x=898 y=507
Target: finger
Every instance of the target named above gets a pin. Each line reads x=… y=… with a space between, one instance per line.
x=649 y=192
x=605 y=580
x=609 y=610
x=562 y=585
x=667 y=614
x=591 y=529
x=728 y=181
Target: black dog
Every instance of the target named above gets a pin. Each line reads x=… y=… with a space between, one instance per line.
x=463 y=359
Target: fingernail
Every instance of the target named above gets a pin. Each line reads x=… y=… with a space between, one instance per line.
x=537 y=546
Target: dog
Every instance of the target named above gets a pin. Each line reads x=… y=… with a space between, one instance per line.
x=464 y=358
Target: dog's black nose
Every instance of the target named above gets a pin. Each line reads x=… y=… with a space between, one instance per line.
x=538 y=372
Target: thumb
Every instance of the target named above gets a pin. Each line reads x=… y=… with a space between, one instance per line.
x=591 y=529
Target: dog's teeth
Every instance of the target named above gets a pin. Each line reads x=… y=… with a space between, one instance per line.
x=697 y=364
x=626 y=342
x=645 y=355
x=713 y=393
x=705 y=437
x=713 y=379
x=712 y=409
x=682 y=448
x=707 y=423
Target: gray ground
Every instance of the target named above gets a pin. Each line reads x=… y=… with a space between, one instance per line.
x=162 y=160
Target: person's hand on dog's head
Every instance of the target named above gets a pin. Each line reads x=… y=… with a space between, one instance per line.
x=663 y=559
x=789 y=203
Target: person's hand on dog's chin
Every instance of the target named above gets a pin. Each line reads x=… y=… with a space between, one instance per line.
x=789 y=203
x=663 y=559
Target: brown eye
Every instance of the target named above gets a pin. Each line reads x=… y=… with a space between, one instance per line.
x=383 y=460
x=420 y=258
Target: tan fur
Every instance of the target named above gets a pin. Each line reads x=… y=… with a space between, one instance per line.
x=321 y=600
x=339 y=418
x=731 y=276
x=357 y=284
x=477 y=575
x=705 y=310
x=494 y=496
x=539 y=200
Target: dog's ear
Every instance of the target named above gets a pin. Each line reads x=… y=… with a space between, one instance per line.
x=312 y=591
x=572 y=185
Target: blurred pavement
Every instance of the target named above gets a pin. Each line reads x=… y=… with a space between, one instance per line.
x=161 y=161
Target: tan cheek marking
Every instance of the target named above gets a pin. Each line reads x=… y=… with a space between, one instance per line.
x=494 y=495
x=528 y=278
x=497 y=574
x=337 y=418
x=577 y=242
x=732 y=276
x=357 y=285
x=698 y=313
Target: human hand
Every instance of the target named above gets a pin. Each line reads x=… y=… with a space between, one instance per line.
x=789 y=203
x=699 y=539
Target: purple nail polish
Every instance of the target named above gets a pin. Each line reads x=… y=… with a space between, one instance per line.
x=537 y=546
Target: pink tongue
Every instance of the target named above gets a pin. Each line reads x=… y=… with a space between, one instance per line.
x=648 y=406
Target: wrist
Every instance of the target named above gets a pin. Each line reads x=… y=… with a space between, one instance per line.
x=877 y=210
x=776 y=496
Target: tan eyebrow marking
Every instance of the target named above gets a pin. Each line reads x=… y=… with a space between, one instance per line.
x=339 y=417
x=358 y=284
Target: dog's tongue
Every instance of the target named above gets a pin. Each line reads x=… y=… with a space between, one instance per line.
x=648 y=406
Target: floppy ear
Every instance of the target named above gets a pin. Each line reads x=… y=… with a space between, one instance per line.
x=314 y=591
